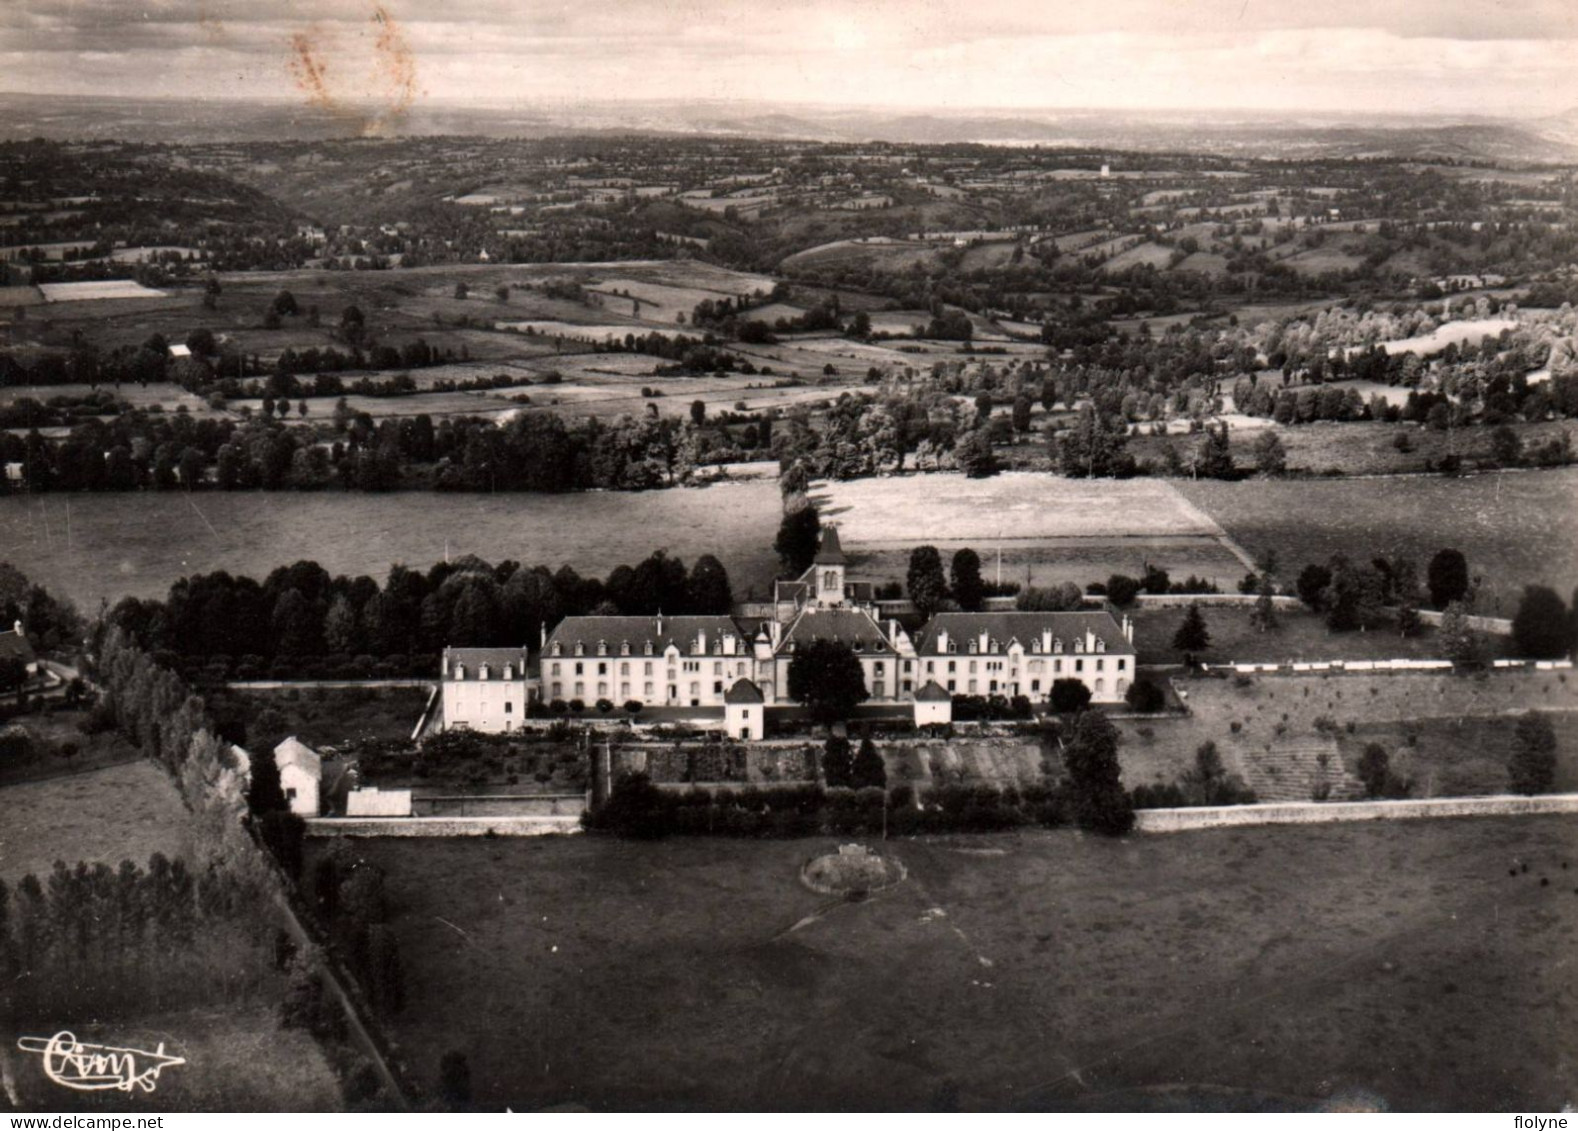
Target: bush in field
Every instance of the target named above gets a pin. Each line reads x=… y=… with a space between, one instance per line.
x=1143 y=695
x=633 y=707
x=1069 y=695
x=1532 y=768
x=1122 y=589
x=1541 y=628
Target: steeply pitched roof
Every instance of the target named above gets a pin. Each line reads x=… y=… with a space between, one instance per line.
x=613 y=632
x=472 y=659
x=1027 y=628
x=743 y=691
x=294 y=752
x=829 y=552
x=15 y=645
x=932 y=693
x=848 y=626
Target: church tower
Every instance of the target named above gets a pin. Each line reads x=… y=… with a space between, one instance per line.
x=829 y=568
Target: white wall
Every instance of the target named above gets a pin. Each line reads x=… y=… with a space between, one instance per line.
x=373 y=802
x=492 y=705
x=305 y=801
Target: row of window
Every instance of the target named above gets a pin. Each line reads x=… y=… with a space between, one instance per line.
x=692 y=667
x=647 y=648
x=995 y=646
x=1031 y=666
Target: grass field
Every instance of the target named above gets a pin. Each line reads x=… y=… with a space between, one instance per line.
x=1022 y=506
x=121 y=545
x=1374 y=965
x=125 y=812
x=1445 y=712
x=1299 y=636
x=1515 y=529
x=235 y=1061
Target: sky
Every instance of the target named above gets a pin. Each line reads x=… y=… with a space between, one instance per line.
x=1499 y=57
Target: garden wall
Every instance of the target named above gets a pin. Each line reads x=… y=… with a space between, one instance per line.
x=441 y=826
x=1324 y=812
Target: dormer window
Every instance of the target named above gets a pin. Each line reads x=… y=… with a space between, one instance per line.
x=580 y=649
x=649 y=648
x=1057 y=646
x=460 y=671
x=860 y=646
x=1101 y=645
x=558 y=649
x=509 y=672
x=1079 y=645
x=483 y=672
x=624 y=648
x=602 y=648
x=974 y=647
x=953 y=646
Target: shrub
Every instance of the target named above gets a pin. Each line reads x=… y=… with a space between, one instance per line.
x=1069 y=695
x=1144 y=695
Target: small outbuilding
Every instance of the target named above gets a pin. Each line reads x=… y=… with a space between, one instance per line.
x=300 y=775
x=933 y=705
x=744 y=710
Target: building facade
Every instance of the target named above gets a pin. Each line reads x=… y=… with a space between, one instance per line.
x=1024 y=653
x=486 y=689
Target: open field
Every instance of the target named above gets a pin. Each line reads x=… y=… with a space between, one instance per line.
x=137 y=544
x=1444 y=711
x=1515 y=528
x=108 y=289
x=1300 y=636
x=236 y=1060
x=1449 y=333
x=1052 y=561
x=1019 y=506
x=1366 y=965
x=125 y=812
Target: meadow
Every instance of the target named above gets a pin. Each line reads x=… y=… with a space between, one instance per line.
x=1515 y=529
x=102 y=547
x=1373 y=965
x=124 y=812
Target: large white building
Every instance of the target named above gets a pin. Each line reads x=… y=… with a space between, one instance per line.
x=1024 y=653
x=486 y=689
x=699 y=661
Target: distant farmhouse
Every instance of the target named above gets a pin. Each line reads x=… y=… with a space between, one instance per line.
x=738 y=668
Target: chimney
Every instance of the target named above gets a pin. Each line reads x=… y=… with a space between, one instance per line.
x=660 y=624
x=701 y=642
x=542 y=645
x=1128 y=628
x=942 y=640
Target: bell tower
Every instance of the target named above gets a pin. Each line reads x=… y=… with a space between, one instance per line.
x=828 y=567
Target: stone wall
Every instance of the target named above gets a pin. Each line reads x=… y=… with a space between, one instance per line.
x=1324 y=812
x=442 y=826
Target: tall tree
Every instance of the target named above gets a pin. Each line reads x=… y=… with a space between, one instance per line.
x=969 y=590
x=340 y=628
x=1091 y=757
x=1532 y=767
x=710 y=594
x=925 y=583
x=1541 y=628
x=798 y=535
x=1192 y=634
x=837 y=765
x=826 y=676
x=868 y=770
x=1447 y=577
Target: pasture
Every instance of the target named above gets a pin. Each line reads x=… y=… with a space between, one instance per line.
x=1371 y=965
x=124 y=812
x=1516 y=528
x=118 y=545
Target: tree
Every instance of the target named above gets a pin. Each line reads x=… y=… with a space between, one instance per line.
x=1447 y=577
x=1091 y=758
x=708 y=586
x=826 y=676
x=968 y=588
x=1214 y=454
x=1312 y=584
x=1459 y=642
x=1375 y=768
x=1021 y=413
x=1264 y=615
x=1122 y=589
x=461 y=290
x=1505 y=446
x=1145 y=696
x=974 y=454
x=1271 y=457
x=339 y=627
x=868 y=770
x=698 y=412
x=798 y=536
x=1541 y=628
x=837 y=765
x=925 y=583
x=264 y=793
x=1532 y=767
x=1069 y=695
x=1192 y=634
x=284 y=304
x=1405 y=591
x=1207 y=782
